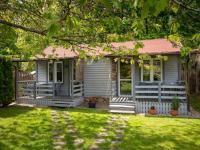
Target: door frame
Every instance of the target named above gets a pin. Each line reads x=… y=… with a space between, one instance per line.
x=119 y=80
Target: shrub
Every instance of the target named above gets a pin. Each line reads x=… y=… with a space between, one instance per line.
x=175 y=103
x=6 y=82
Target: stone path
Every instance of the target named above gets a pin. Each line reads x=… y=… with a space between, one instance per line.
x=77 y=141
x=58 y=135
x=117 y=124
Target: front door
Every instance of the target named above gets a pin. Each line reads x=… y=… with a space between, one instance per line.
x=125 y=79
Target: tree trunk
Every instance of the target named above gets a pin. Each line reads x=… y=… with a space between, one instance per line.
x=187 y=83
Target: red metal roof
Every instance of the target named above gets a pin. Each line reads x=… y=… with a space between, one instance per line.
x=58 y=52
x=154 y=46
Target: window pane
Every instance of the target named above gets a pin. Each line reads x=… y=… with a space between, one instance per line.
x=157 y=70
x=125 y=71
x=59 y=73
x=50 y=72
x=125 y=87
x=146 y=70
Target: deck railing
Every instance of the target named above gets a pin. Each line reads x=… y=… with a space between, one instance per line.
x=77 y=88
x=160 y=91
x=32 y=89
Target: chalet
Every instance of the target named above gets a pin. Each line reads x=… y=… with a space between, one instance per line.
x=129 y=87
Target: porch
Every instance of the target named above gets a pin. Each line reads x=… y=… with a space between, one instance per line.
x=38 y=93
x=56 y=83
x=146 y=95
x=135 y=90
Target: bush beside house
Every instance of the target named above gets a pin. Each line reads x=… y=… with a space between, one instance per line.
x=6 y=82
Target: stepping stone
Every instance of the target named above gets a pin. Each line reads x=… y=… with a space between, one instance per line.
x=57 y=121
x=78 y=141
x=103 y=130
x=119 y=131
x=74 y=136
x=122 y=127
x=118 y=137
x=115 y=142
x=57 y=147
x=109 y=122
x=100 y=141
x=70 y=126
x=102 y=134
x=57 y=132
x=94 y=147
x=58 y=143
x=68 y=120
x=60 y=137
x=72 y=131
x=125 y=118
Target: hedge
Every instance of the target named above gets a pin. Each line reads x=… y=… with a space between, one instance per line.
x=6 y=82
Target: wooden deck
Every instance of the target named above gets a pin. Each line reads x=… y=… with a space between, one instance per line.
x=59 y=101
x=42 y=93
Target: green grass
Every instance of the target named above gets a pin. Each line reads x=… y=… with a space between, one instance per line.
x=25 y=128
x=195 y=102
x=31 y=128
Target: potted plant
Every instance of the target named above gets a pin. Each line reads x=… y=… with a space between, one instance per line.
x=92 y=102
x=152 y=110
x=174 y=107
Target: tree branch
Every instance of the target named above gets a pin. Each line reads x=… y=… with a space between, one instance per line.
x=43 y=33
x=185 y=6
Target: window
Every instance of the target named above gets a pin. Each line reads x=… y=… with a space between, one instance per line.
x=59 y=71
x=50 y=72
x=125 y=79
x=156 y=70
x=146 y=70
x=151 y=71
x=55 y=72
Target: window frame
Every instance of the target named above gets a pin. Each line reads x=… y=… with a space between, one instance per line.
x=48 y=72
x=56 y=80
x=55 y=72
x=151 y=61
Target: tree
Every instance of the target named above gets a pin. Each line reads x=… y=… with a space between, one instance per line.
x=6 y=82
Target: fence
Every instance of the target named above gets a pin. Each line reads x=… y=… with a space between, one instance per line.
x=160 y=91
x=31 y=89
x=161 y=107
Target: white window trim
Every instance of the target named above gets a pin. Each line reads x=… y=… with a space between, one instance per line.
x=152 y=72
x=119 y=81
x=55 y=72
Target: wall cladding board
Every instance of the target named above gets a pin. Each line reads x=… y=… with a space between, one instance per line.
x=97 y=78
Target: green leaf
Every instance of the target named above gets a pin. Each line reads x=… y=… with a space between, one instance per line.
x=107 y=3
x=82 y=2
x=160 y=5
x=53 y=29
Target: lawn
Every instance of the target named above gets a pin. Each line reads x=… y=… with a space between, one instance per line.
x=31 y=128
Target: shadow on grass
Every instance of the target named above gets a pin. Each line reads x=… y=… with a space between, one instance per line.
x=14 y=110
x=25 y=128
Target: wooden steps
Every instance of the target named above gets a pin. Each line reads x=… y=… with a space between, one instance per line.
x=127 y=106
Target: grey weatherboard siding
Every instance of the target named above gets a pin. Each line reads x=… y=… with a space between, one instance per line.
x=97 y=76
